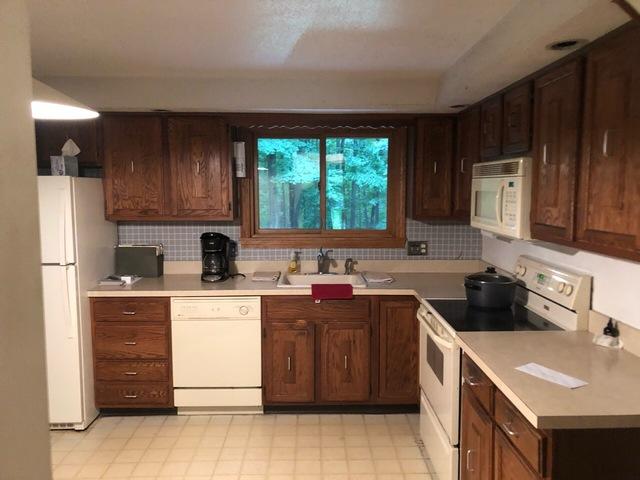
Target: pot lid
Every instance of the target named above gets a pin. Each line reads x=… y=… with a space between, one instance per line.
x=490 y=276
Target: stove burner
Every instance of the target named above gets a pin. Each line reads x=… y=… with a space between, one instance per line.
x=464 y=318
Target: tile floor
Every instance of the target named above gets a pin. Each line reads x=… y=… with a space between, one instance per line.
x=243 y=447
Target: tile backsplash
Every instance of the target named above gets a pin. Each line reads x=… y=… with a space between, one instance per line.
x=447 y=241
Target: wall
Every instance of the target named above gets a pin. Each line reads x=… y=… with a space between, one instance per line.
x=447 y=241
x=24 y=435
x=616 y=283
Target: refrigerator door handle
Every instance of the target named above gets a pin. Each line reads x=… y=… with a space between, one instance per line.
x=70 y=305
x=62 y=228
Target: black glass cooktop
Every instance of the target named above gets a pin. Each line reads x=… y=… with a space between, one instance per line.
x=464 y=318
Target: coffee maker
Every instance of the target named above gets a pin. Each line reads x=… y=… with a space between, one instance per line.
x=215 y=256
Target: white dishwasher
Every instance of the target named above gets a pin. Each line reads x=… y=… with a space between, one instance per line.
x=216 y=351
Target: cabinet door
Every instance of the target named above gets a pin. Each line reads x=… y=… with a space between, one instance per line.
x=432 y=172
x=201 y=186
x=476 y=439
x=51 y=135
x=288 y=362
x=609 y=189
x=516 y=128
x=133 y=167
x=491 y=127
x=555 y=150
x=468 y=153
x=344 y=367
x=507 y=463
x=398 y=352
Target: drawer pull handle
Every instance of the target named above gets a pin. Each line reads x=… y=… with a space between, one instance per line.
x=346 y=362
x=472 y=382
x=130 y=343
x=131 y=396
x=469 y=469
x=289 y=364
x=131 y=373
x=507 y=428
x=129 y=312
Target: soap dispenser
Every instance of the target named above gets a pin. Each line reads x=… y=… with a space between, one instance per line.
x=294 y=266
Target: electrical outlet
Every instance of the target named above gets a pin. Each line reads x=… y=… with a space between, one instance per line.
x=417 y=248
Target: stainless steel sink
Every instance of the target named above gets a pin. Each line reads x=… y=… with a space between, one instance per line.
x=298 y=280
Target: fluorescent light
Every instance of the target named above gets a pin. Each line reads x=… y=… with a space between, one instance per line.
x=50 y=104
x=58 y=111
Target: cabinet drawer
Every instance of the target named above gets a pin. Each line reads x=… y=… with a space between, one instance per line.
x=478 y=383
x=507 y=463
x=303 y=307
x=132 y=371
x=131 y=341
x=530 y=442
x=133 y=395
x=131 y=309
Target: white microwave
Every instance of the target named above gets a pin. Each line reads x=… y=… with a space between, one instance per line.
x=501 y=197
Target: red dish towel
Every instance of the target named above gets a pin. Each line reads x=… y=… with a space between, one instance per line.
x=336 y=291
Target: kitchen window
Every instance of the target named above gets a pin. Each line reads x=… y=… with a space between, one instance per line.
x=339 y=188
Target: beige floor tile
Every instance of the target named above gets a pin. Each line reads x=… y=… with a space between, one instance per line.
x=155 y=455
x=361 y=466
x=254 y=467
x=308 y=419
x=217 y=476
x=374 y=419
x=201 y=468
x=252 y=477
x=353 y=419
x=92 y=471
x=403 y=440
x=181 y=455
x=332 y=441
x=306 y=476
x=206 y=454
x=330 y=419
x=387 y=466
x=383 y=453
x=193 y=430
x=282 y=467
x=260 y=441
x=414 y=466
x=215 y=430
x=119 y=470
x=257 y=453
x=308 y=429
x=163 y=442
x=285 y=429
x=228 y=467
x=187 y=442
x=309 y=441
x=359 y=453
x=173 y=469
x=113 y=444
x=233 y=441
x=417 y=476
x=283 y=453
x=242 y=419
x=307 y=453
x=76 y=457
x=356 y=441
x=212 y=442
x=355 y=430
x=334 y=466
x=390 y=476
x=89 y=444
x=285 y=419
x=103 y=456
x=66 y=471
x=284 y=441
x=335 y=476
x=281 y=476
x=147 y=469
x=129 y=456
x=138 y=443
x=380 y=440
x=409 y=452
x=170 y=430
x=56 y=457
x=333 y=453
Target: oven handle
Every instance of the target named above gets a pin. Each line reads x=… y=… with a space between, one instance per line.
x=436 y=338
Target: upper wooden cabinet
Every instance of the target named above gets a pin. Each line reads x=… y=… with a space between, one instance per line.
x=200 y=168
x=516 y=120
x=176 y=168
x=555 y=150
x=608 y=218
x=491 y=127
x=52 y=134
x=432 y=170
x=468 y=153
x=133 y=167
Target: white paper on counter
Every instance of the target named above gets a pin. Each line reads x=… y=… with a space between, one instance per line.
x=552 y=376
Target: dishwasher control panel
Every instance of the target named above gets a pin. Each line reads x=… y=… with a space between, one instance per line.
x=215 y=308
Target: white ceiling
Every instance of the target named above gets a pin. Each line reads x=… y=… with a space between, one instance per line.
x=402 y=55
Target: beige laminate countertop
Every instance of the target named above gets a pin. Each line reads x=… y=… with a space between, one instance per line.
x=610 y=400
x=421 y=285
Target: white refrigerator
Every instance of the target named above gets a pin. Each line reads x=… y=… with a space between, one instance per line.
x=76 y=251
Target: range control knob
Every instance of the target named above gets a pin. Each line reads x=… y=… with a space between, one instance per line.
x=521 y=270
x=568 y=290
x=244 y=310
x=560 y=287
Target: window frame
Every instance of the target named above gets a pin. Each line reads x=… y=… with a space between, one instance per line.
x=393 y=236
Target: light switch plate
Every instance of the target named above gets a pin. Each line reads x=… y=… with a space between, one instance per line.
x=417 y=248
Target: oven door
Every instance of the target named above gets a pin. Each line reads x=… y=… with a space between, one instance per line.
x=440 y=372
x=443 y=456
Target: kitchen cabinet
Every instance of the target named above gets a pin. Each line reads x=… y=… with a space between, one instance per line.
x=134 y=169
x=468 y=153
x=491 y=127
x=344 y=361
x=159 y=168
x=132 y=352
x=398 y=351
x=433 y=168
x=51 y=135
x=496 y=437
x=289 y=360
x=608 y=213
x=516 y=128
x=476 y=439
x=362 y=351
x=201 y=176
x=557 y=109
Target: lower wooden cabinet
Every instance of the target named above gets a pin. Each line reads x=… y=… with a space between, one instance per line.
x=345 y=374
x=132 y=352
x=289 y=357
x=360 y=351
x=507 y=462
x=476 y=439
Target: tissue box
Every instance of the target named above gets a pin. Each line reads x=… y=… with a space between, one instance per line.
x=64 y=165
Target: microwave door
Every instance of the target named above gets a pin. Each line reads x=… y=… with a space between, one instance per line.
x=485 y=209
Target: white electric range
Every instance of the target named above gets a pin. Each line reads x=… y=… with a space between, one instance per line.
x=547 y=298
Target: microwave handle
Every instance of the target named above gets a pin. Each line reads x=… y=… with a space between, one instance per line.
x=499 y=202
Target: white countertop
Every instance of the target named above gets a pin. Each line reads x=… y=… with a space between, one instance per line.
x=610 y=400
x=420 y=285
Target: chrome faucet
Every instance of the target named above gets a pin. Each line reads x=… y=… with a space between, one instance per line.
x=324 y=262
x=349 y=266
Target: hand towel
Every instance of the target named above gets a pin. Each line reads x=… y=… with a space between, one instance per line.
x=336 y=291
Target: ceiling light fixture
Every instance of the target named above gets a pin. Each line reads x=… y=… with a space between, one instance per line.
x=565 y=44
x=50 y=104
